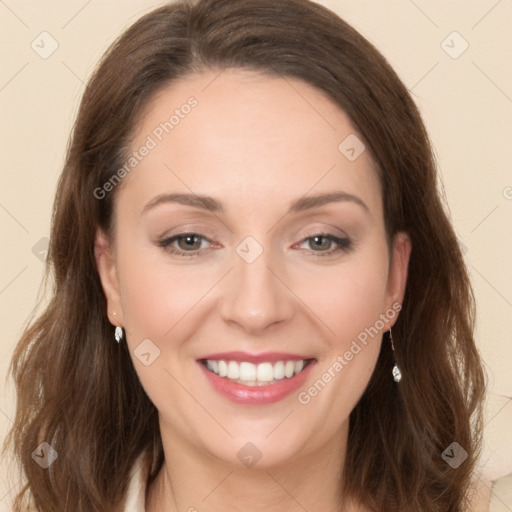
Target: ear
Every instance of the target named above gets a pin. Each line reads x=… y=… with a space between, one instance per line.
x=397 y=279
x=106 y=264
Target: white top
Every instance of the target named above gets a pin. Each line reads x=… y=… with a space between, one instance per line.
x=136 y=494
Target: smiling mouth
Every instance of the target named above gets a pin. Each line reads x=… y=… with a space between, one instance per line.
x=250 y=374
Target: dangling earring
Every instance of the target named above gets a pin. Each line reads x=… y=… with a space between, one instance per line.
x=118 y=334
x=397 y=374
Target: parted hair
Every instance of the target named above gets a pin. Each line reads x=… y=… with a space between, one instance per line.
x=78 y=390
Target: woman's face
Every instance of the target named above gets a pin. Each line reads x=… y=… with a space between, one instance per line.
x=284 y=265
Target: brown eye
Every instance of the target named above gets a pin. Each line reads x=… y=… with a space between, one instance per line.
x=188 y=244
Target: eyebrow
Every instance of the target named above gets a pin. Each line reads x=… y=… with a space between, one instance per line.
x=209 y=203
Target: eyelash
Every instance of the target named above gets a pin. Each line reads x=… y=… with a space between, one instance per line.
x=344 y=244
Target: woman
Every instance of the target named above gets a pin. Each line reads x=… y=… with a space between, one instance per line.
x=259 y=302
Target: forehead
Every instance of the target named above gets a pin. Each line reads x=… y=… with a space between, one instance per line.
x=260 y=137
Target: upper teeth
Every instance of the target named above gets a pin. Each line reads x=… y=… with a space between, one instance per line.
x=253 y=374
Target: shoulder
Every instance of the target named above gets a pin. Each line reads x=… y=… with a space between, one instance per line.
x=136 y=493
x=479 y=494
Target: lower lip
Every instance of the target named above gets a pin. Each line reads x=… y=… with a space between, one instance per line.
x=256 y=395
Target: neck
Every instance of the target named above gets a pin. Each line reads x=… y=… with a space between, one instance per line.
x=193 y=481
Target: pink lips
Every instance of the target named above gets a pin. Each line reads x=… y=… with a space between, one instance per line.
x=255 y=395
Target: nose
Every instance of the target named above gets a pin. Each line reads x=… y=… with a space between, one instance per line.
x=256 y=296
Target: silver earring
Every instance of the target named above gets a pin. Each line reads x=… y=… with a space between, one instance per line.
x=118 y=334
x=397 y=374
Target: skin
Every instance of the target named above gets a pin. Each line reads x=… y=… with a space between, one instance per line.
x=256 y=144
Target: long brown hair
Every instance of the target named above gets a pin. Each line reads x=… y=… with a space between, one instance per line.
x=77 y=389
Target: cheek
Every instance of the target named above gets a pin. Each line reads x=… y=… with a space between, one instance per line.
x=158 y=301
x=350 y=314
x=157 y=295
x=350 y=299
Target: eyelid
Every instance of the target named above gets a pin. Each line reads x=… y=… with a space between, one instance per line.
x=318 y=230
x=168 y=239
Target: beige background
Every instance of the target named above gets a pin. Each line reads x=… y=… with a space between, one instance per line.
x=466 y=100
